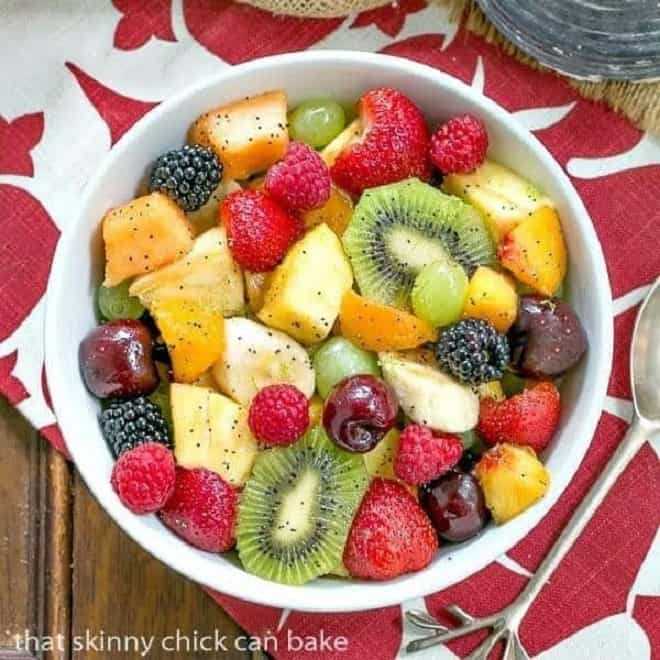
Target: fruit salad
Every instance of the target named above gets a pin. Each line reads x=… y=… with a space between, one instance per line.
x=331 y=345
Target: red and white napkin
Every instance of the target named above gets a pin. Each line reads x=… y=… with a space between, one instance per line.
x=77 y=75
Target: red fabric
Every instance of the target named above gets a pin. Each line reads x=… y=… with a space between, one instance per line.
x=594 y=581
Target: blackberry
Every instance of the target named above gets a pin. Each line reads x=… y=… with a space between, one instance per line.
x=188 y=175
x=127 y=424
x=473 y=351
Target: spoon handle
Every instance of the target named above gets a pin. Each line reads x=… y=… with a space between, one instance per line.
x=628 y=447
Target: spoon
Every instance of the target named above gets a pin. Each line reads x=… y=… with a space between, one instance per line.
x=645 y=377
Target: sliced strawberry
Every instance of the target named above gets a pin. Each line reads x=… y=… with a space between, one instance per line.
x=529 y=418
x=393 y=146
x=202 y=510
x=391 y=534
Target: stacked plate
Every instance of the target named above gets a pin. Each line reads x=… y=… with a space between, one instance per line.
x=587 y=39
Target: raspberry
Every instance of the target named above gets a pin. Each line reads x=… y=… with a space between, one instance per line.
x=202 y=510
x=393 y=147
x=390 y=535
x=529 y=418
x=260 y=231
x=301 y=181
x=459 y=146
x=473 y=351
x=424 y=455
x=144 y=477
x=279 y=414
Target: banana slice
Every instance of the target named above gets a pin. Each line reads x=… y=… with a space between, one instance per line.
x=256 y=356
x=429 y=396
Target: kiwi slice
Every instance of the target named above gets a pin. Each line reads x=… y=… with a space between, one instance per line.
x=398 y=229
x=297 y=507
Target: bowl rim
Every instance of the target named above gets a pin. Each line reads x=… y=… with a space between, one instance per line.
x=355 y=595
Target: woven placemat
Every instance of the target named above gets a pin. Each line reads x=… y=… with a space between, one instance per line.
x=640 y=102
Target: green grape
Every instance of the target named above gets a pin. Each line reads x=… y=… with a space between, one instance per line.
x=317 y=122
x=469 y=438
x=115 y=303
x=472 y=441
x=439 y=293
x=161 y=397
x=337 y=359
x=512 y=384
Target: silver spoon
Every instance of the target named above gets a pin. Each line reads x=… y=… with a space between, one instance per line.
x=645 y=377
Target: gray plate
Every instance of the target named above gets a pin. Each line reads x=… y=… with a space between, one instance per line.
x=587 y=39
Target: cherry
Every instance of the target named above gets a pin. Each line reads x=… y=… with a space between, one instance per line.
x=455 y=504
x=116 y=360
x=547 y=338
x=359 y=412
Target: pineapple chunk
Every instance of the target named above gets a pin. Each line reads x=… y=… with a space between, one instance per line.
x=143 y=235
x=491 y=296
x=195 y=336
x=207 y=275
x=512 y=478
x=348 y=136
x=256 y=285
x=503 y=197
x=248 y=136
x=535 y=252
x=380 y=460
x=208 y=216
x=211 y=432
x=307 y=288
x=491 y=390
x=315 y=411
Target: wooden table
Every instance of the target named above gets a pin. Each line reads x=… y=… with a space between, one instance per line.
x=65 y=567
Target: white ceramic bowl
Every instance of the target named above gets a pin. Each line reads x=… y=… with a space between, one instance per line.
x=343 y=75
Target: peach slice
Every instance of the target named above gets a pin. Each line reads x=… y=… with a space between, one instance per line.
x=377 y=327
x=535 y=252
x=336 y=212
x=491 y=296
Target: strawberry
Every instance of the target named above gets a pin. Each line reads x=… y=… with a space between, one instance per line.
x=529 y=418
x=202 y=510
x=260 y=231
x=393 y=145
x=390 y=535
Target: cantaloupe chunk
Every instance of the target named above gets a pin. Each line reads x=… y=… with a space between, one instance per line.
x=143 y=235
x=248 y=136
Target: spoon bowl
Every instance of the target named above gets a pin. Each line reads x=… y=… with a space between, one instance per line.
x=645 y=359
